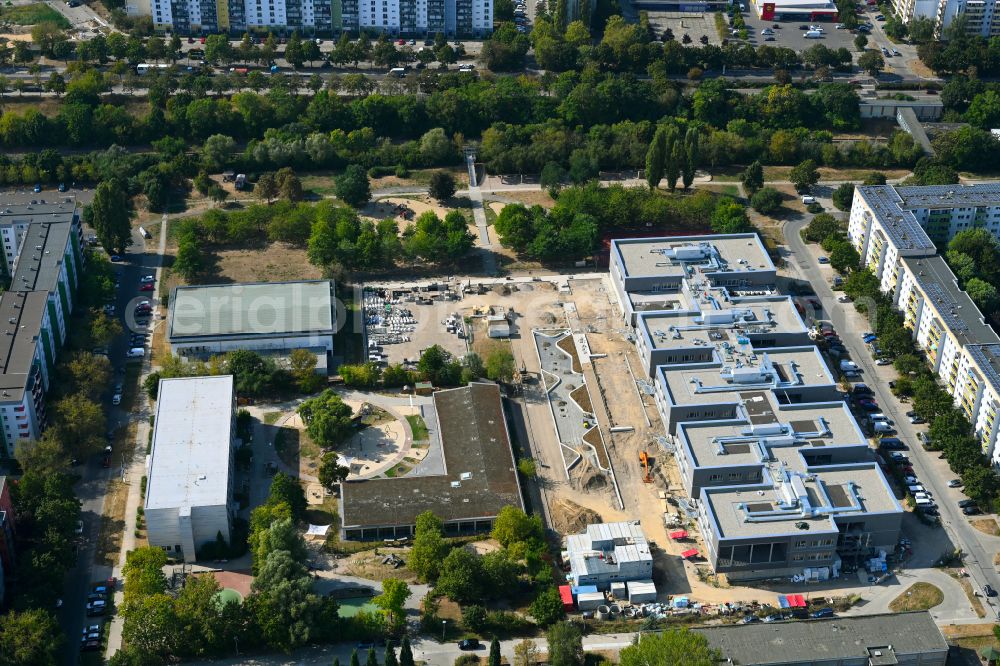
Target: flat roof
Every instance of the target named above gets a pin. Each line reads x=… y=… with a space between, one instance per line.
x=189 y=459
x=847 y=638
x=40 y=260
x=949 y=196
x=479 y=479
x=24 y=208
x=953 y=306
x=898 y=223
x=712 y=327
x=252 y=309
x=646 y=257
x=762 y=369
x=859 y=485
x=21 y=314
x=987 y=359
x=737 y=443
x=625 y=541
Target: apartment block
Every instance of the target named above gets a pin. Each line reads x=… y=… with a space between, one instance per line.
x=325 y=17
x=980 y=16
x=961 y=348
x=27 y=359
x=780 y=479
x=19 y=213
x=657 y=274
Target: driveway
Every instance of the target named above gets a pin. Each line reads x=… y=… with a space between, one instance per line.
x=932 y=471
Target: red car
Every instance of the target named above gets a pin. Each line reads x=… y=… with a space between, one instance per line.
x=147 y=287
x=401 y=42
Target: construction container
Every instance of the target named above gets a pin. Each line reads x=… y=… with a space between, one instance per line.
x=641 y=591
x=567 y=597
x=589 y=600
x=583 y=589
x=618 y=591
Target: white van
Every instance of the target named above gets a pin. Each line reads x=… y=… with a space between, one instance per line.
x=916 y=488
x=921 y=496
x=808 y=199
x=882 y=426
x=879 y=416
x=813 y=34
x=136 y=352
x=924 y=503
x=144 y=233
x=397 y=71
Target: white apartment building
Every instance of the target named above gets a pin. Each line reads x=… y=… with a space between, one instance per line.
x=190 y=465
x=887 y=227
x=27 y=358
x=409 y=17
x=979 y=14
x=17 y=215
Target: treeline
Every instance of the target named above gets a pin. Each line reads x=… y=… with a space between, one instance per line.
x=585 y=121
x=332 y=234
x=584 y=214
x=950 y=430
x=435 y=365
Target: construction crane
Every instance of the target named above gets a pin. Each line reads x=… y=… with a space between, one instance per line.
x=644 y=459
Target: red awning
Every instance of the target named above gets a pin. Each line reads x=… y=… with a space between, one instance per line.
x=796 y=601
x=678 y=534
x=687 y=554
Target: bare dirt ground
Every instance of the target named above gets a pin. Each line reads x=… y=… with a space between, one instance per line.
x=986 y=526
x=275 y=262
x=529 y=197
x=386 y=208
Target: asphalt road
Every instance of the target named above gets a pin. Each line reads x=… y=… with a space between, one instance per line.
x=93 y=484
x=932 y=471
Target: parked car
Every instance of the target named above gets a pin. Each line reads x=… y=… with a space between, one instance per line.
x=149 y=286
x=966 y=503
x=808 y=199
x=96 y=608
x=971 y=511
x=955 y=483
x=147 y=278
x=469 y=644
x=750 y=619
x=989 y=591
x=822 y=612
x=116 y=399
x=883 y=361
x=823 y=260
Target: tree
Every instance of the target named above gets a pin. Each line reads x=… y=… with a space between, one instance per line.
x=266 y=187
x=328 y=419
x=81 y=424
x=494 y=658
x=547 y=607
x=821 y=227
x=392 y=600
x=302 y=365
x=109 y=214
x=217 y=194
x=874 y=178
x=287 y=490
x=353 y=187
x=983 y=294
x=860 y=42
x=405 y=653
x=512 y=525
x=804 y=175
x=843 y=196
x=372 y=660
x=656 y=158
x=844 y=257
x=460 y=578
x=390 y=655
x=437 y=148
x=515 y=226
x=442 y=185
x=289 y=185
x=565 y=644
x=672 y=646
x=331 y=472
x=500 y=365
x=429 y=549
x=766 y=201
x=29 y=638
x=871 y=62
x=45 y=456
x=729 y=218
x=752 y=178
x=526 y=653
x=354 y=658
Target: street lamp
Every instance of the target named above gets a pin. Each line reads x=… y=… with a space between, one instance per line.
x=443 y=624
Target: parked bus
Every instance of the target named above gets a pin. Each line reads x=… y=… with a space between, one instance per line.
x=144 y=67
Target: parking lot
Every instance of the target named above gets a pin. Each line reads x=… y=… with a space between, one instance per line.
x=789 y=34
x=694 y=25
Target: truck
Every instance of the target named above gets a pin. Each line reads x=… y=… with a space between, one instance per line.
x=398 y=72
x=240 y=182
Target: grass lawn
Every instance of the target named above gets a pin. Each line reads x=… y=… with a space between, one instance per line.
x=36 y=12
x=919 y=596
x=419 y=428
x=270 y=418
